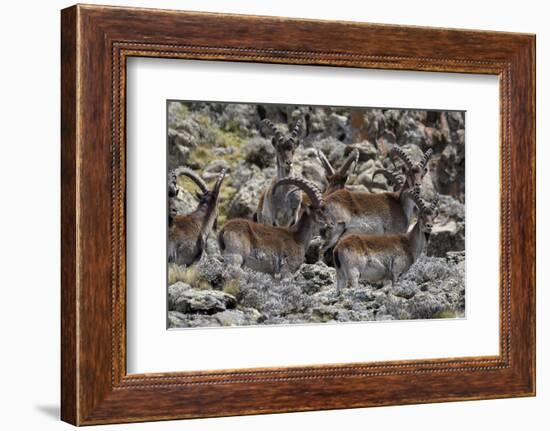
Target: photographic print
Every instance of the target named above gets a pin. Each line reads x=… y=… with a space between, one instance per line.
x=295 y=214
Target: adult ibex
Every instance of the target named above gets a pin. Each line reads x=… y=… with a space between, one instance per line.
x=337 y=179
x=278 y=207
x=376 y=258
x=187 y=234
x=366 y=213
x=375 y=213
x=414 y=172
x=273 y=249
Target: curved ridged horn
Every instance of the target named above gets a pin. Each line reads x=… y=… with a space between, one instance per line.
x=219 y=180
x=296 y=132
x=399 y=153
x=395 y=180
x=435 y=203
x=426 y=158
x=353 y=157
x=311 y=190
x=414 y=195
x=326 y=164
x=190 y=174
x=279 y=137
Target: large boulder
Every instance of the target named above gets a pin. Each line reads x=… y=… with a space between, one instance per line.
x=214 y=168
x=184 y=202
x=245 y=201
x=260 y=152
x=185 y=299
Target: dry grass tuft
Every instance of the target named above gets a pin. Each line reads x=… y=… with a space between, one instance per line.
x=232 y=287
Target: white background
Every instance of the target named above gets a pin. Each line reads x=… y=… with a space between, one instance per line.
x=29 y=216
x=151 y=348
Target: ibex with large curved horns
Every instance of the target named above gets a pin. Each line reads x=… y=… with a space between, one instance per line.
x=273 y=249
x=187 y=234
x=414 y=172
x=375 y=258
x=337 y=179
x=366 y=213
x=279 y=208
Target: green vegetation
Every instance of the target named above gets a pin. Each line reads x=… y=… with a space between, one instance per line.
x=445 y=314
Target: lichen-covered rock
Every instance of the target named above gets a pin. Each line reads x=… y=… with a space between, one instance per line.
x=245 y=201
x=313 y=277
x=260 y=152
x=246 y=316
x=214 y=168
x=185 y=299
x=367 y=151
x=184 y=202
x=339 y=127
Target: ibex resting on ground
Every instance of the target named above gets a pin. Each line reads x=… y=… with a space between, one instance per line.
x=273 y=249
x=187 y=234
x=278 y=207
x=376 y=258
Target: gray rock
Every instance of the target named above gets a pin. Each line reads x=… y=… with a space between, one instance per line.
x=338 y=126
x=211 y=267
x=314 y=277
x=238 y=118
x=367 y=151
x=184 y=202
x=182 y=320
x=329 y=144
x=175 y=291
x=214 y=168
x=183 y=298
x=259 y=152
x=247 y=316
x=245 y=201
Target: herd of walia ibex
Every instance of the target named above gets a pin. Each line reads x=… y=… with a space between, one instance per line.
x=371 y=236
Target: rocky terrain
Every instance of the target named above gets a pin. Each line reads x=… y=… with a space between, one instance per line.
x=209 y=137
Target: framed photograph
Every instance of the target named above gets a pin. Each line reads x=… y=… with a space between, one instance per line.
x=260 y=217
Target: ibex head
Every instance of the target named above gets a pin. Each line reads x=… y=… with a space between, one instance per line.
x=414 y=172
x=316 y=201
x=285 y=146
x=337 y=179
x=427 y=213
x=205 y=196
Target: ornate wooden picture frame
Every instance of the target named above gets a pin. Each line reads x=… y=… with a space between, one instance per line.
x=96 y=42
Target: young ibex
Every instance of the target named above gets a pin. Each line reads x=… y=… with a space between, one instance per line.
x=278 y=207
x=337 y=179
x=273 y=249
x=187 y=234
x=375 y=258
